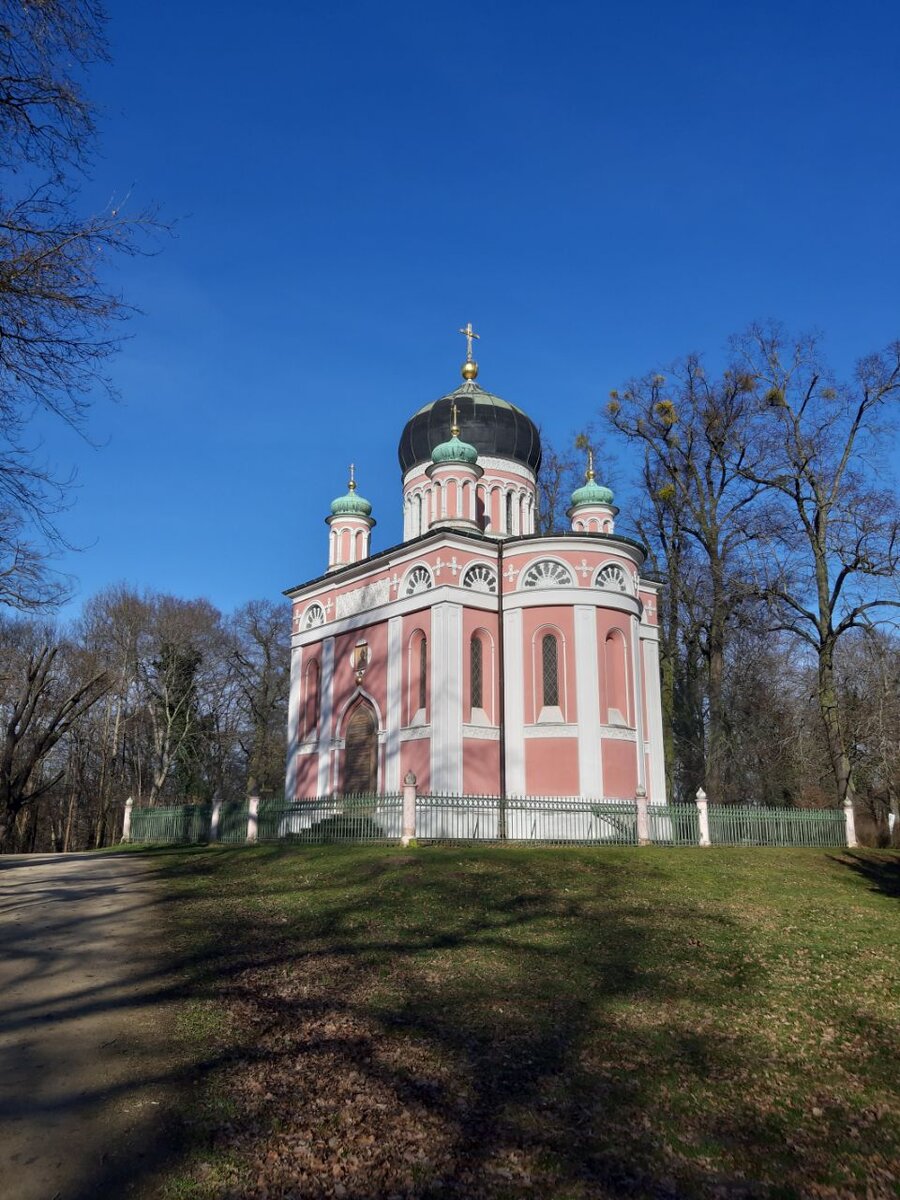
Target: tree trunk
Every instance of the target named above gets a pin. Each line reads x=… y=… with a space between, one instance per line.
x=828 y=706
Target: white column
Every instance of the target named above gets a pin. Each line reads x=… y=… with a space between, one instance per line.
x=850 y=824
x=408 y=831
x=638 y=703
x=126 y=821
x=650 y=647
x=703 y=818
x=293 y=730
x=253 y=819
x=643 y=818
x=392 y=700
x=446 y=698
x=587 y=694
x=326 y=708
x=215 y=820
x=513 y=683
x=516 y=507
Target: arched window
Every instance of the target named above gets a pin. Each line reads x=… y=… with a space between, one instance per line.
x=476 y=672
x=509 y=512
x=310 y=702
x=417 y=679
x=616 y=678
x=549 y=671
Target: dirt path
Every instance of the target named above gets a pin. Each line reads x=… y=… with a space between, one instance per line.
x=84 y=1073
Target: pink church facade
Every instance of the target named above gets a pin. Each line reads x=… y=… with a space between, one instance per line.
x=482 y=657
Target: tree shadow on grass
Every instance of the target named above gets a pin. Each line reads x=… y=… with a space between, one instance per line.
x=488 y=1023
x=880 y=870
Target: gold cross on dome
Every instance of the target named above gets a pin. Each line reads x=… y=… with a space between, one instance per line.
x=469 y=334
x=454 y=417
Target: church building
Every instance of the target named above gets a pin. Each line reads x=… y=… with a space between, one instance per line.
x=482 y=656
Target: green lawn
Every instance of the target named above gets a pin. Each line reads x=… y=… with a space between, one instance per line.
x=509 y=1022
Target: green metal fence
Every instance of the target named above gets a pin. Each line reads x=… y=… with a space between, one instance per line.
x=674 y=824
x=176 y=823
x=551 y=820
x=331 y=819
x=743 y=825
x=536 y=819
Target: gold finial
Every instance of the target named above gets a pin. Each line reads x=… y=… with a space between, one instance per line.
x=454 y=416
x=351 y=486
x=470 y=366
x=590 y=470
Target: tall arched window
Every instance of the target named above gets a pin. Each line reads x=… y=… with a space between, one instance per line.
x=549 y=671
x=311 y=701
x=616 y=678
x=509 y=512
x=476 y=672
x=417 y=679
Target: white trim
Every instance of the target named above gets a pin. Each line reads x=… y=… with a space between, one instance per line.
x=654 y=718
x=446 y=698
x=293 y=729
x=618 y=733
x=486 y=733
x=326 y=708
x=561 y=729
x=514 y=683
x=561 y=597
x=415 y=733
x=392 y=704
x=587 y=695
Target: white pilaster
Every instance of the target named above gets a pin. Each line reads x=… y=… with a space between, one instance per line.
x=326 y=709
x=587 y=693
x=638 y=702
x=446 y=698
x=293 y=731
x=657 y=789
x=513 y=683
x=392 y=713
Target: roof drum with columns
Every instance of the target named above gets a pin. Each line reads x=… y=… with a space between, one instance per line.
x=480 y=655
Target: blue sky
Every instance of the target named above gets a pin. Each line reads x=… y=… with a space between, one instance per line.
x=598 y=187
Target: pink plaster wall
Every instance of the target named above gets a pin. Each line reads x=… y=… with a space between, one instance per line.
x=551 y=767
x=481 y=767
x=558 y=619
x=416 y=757
x=619 y=769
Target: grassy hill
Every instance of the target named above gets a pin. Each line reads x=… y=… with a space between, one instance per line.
x=511 y=1022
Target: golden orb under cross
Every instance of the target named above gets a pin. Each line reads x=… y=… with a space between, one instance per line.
x=470 y=366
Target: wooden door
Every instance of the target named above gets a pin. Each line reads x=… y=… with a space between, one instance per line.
x=361 y=752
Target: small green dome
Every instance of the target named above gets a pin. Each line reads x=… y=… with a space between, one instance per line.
x=454 y=451
x=591 y=493
x=351 y=505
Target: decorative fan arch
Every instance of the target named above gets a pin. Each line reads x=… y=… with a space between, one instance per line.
x=612 y=579
x=547 y=573
x=314 y=615
x=480 y=578
x=418 y=580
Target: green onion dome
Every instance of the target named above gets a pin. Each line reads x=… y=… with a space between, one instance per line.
x=454 y=451
x=351 y=505
x=592 y=493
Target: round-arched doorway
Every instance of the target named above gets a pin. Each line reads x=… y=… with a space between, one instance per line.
x=361 y=752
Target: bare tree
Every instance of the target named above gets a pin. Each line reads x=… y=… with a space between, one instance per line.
x=831 y=564
x=44 y=696
x=57 y=310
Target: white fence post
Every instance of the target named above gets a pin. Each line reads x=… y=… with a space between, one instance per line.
x=643 y=817
x=409 y=809
x=253 y=819
x=215 y=820
x=126 y=823
x=850 y=823
x=703 y=817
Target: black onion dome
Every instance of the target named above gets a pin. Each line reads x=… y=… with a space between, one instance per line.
x=493 y=426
